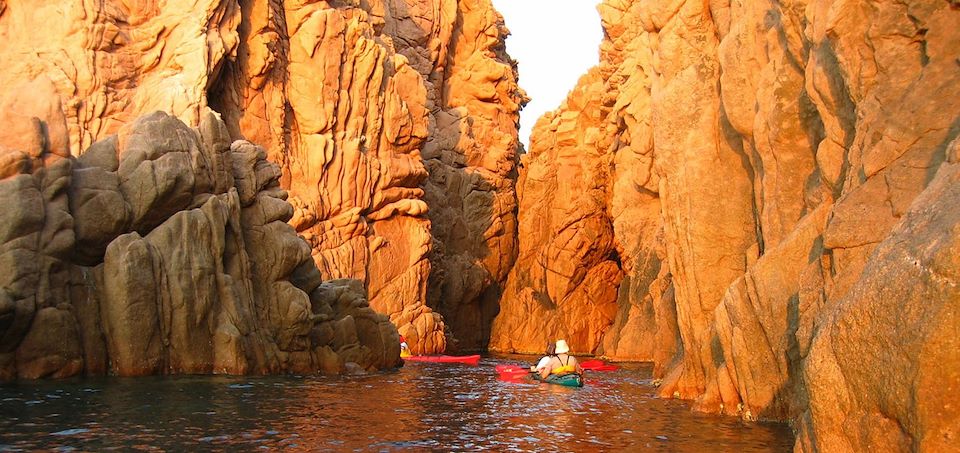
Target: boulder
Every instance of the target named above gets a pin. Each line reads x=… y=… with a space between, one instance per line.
x=177 y=266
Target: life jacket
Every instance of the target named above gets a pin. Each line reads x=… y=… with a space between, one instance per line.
x=566 y=368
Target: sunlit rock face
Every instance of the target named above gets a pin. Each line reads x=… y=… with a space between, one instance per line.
x=163 y=250
x=393 y=124
x=886 y=358
x=760 y=197
x=592 y=265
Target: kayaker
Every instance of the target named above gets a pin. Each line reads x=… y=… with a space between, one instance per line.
x=404 y=349
x=545 y=360
x=562 y=363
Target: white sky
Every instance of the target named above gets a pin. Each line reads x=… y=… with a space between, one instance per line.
x=555 y=42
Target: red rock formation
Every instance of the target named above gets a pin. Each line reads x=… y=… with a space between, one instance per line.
x=163 y=249
x=373 y=111
x=471 y=158
x=592 y=264
x=564 y=284
x=886 y=359
x=770 y=172
x=419 y=107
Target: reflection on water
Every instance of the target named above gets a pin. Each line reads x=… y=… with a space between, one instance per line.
x=422 y=406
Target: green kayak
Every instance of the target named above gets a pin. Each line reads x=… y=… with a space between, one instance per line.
x=569 y=380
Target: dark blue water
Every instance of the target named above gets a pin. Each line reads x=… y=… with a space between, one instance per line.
x=420 y=407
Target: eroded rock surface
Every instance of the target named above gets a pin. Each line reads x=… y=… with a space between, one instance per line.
x=886 y=359
x=760 y=198
x=161 y=250
x=403 y=174
x=393 y=124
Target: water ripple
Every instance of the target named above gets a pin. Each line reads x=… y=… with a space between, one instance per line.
x=70 y=432
x=423 y=406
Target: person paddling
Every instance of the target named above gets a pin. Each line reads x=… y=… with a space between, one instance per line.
x=562 y=363
x=545 y=360
x=404 y=349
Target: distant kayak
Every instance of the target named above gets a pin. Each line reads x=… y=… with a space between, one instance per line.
x=467 y=359
x=569 y=379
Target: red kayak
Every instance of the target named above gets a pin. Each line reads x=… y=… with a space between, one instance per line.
x=467 y=359
x=597 y=365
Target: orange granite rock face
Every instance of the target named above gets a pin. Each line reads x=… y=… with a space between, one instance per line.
x=345 y=117
x=565 y=282
x=886 y=358
x=592 y=266
x=766 y=175
x=393 y=124
x=110 y=62
x=471 y=158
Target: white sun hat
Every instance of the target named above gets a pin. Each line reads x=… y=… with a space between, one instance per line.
x=562 y=347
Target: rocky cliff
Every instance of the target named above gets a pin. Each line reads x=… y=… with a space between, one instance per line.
x=160 y=250
x=393 y=125
x=761 y=198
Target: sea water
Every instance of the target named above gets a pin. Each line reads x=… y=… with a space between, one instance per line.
x=422 y=406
